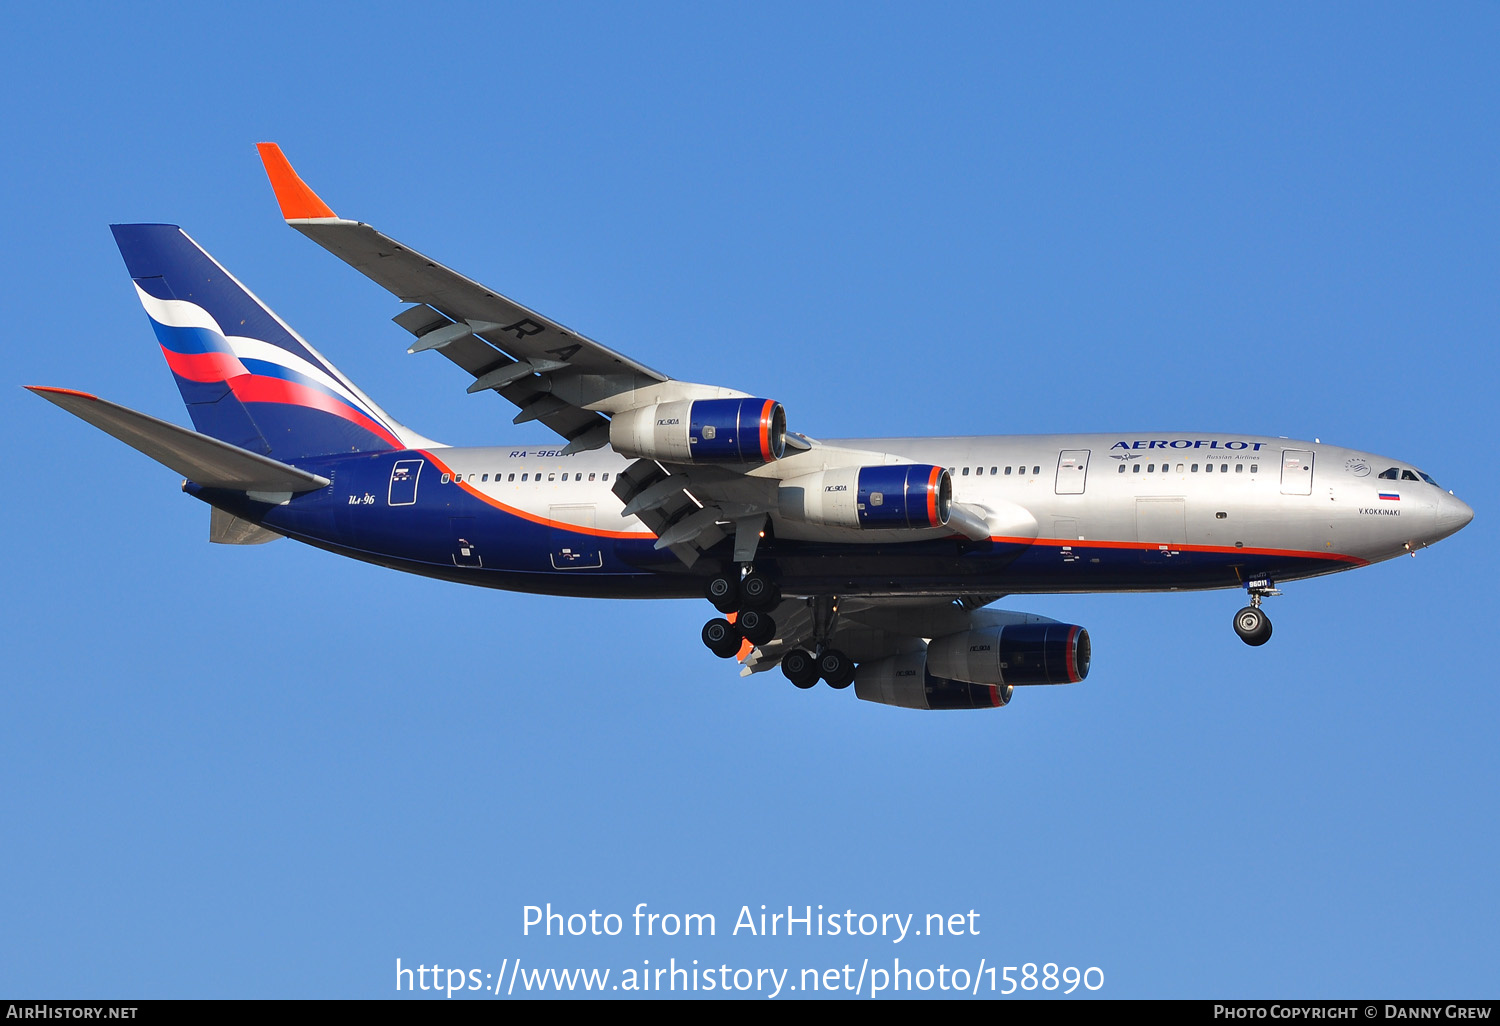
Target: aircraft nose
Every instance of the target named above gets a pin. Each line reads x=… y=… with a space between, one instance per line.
x=1453 y=515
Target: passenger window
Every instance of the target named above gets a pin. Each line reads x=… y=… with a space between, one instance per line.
x=978 y=471
x=1223 y=468
x=511 y=477
x=1135 y=468
x=1151 y=468
x=486 y=477
x=1036 y=470
x=445 y=479
x=1122 y=468
x=1239 y=468
x=523 y=477
x=1179 y=468
x=591 y=477
x=966 y=472
x=994 y=471
x=1007 y=472
x=604 y=476
x=1254 y=468
x=551 y=477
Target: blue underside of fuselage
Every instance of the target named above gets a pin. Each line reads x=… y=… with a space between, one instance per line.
x=459 y=537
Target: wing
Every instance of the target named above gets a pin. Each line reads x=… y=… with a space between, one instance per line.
x=570 y=383
x=552 y=373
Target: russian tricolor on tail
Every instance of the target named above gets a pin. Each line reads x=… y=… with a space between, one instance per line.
x=247 y=378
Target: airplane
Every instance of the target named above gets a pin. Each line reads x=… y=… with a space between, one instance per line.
x=866 y=561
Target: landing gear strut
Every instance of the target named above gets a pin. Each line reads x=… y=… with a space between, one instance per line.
x=1251 y=623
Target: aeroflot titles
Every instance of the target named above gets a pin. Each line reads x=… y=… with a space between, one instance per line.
x=1184 y=443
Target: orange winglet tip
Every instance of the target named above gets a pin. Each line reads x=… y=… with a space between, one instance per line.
x=298 y=202
x=61 y=391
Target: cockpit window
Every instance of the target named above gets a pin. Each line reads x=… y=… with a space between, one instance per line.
x=1402 y=474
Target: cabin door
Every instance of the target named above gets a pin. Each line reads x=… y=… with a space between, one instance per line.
x=1072 y=469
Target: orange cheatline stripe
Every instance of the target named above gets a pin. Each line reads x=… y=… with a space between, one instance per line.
x=1154 y=546
x=298 y=202
x=534 y=518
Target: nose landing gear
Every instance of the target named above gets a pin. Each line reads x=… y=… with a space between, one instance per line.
x=1251 y=623
x=1253 y=626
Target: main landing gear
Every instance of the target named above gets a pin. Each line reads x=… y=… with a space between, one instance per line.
x=803 y=668
x=750 y=598
x=1251 y=623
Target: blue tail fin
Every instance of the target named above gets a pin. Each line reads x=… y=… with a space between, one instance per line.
x=247 y=378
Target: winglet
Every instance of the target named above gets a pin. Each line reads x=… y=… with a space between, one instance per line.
x=298 y=202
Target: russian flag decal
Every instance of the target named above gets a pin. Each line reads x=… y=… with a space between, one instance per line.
x=1392 y=496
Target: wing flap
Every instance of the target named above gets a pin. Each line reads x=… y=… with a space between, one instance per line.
x=523 y=382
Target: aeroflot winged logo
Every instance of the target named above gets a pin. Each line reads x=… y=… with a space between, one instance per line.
x=1187 y=443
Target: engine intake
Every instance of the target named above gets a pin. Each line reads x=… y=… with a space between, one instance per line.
x=1028 y=653
x=702 y=431
x=903 y=681
x=898 y=496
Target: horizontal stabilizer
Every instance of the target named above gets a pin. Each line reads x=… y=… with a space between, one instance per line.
x=199 y=458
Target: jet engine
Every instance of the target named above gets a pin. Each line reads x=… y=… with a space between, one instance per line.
x=896 y=496
x=1017 y=653
x=702 y=431
x=903 y=681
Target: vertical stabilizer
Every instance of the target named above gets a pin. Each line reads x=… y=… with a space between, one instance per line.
x=247 y=378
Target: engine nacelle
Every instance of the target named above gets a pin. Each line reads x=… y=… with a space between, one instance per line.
x=897 y=496
x=1018 y=653
x=903 y=681
x=702 y=431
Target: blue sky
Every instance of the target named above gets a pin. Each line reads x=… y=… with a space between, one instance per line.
x=271 y=772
